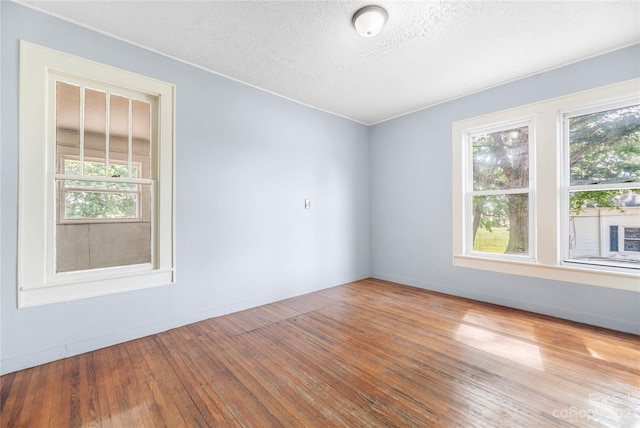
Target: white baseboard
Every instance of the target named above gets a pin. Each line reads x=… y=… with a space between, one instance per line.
x=33 y=359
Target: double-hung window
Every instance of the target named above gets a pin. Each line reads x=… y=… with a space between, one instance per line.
x=96 y=179
x=552 y=189
x=103 y=176
x=602 y=182
x=499 y=201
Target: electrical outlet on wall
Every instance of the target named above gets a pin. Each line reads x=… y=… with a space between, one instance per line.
x=307 y=204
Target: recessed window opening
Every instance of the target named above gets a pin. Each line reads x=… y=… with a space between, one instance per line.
x=552 y=189
x=96 y=179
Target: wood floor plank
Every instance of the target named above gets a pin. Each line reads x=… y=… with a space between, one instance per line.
x=14 y=388
x=316 y=386
x=367 y=402
x=233 y=400
x=226 y=349
x=58 y=406
x=166 y=388
x=448 y=352
x=292 y=392
x=379 y=366
x=366 y=354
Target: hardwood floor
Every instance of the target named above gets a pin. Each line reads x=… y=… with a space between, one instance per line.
x=366 y=354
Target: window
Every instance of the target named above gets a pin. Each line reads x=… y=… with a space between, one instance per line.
x=552 y=189
x=103 y=176
x=602 y=165
x=631 y=242
x=499 y=191
x=96 y=179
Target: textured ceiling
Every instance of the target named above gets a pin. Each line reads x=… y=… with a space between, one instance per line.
x=308 y=51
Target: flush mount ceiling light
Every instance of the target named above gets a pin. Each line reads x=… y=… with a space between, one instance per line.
x=369 y=20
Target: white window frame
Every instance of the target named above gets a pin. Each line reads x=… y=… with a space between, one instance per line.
x=38 y=282
x=529 y=190
x=547 y=191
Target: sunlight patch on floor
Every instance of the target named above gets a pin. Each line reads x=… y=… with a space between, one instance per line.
x=518 y=351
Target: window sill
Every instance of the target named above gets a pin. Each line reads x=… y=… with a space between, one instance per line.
x=65 y=290
x=581 y=275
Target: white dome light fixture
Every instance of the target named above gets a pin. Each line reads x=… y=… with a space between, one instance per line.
x=369 y=20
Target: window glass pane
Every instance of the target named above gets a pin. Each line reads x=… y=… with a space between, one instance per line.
x=142 y=135
x=613 y=238
x=118 y=136
x=501 y=159
x=103 y=227
x=82 y=204
x=632 y=233
x=501 y=224
x=72 y=166
x=621 y=201
x=604 y=227
x=95 y=200
x=94 y=132
x=604 y=147
x=91 y=167
x=632 y=239
x=118 y=170
x=67 y=122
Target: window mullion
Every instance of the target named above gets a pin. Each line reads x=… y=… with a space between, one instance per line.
x=107 y=132
x=606 y=186
x=468 y=199
x=500 y=192
x=94 y=190
x=548 y=189
x=81 y=130
x=130 y=138
x=103 y=179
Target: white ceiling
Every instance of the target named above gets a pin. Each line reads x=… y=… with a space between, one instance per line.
x=308 y=51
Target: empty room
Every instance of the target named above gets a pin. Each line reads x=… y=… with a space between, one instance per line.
x=320 y=214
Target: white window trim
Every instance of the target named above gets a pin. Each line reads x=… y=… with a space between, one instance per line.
x=37 y=281
x=547 y=190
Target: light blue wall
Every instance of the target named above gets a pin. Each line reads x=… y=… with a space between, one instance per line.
x=411 y=201
x=245 y=162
